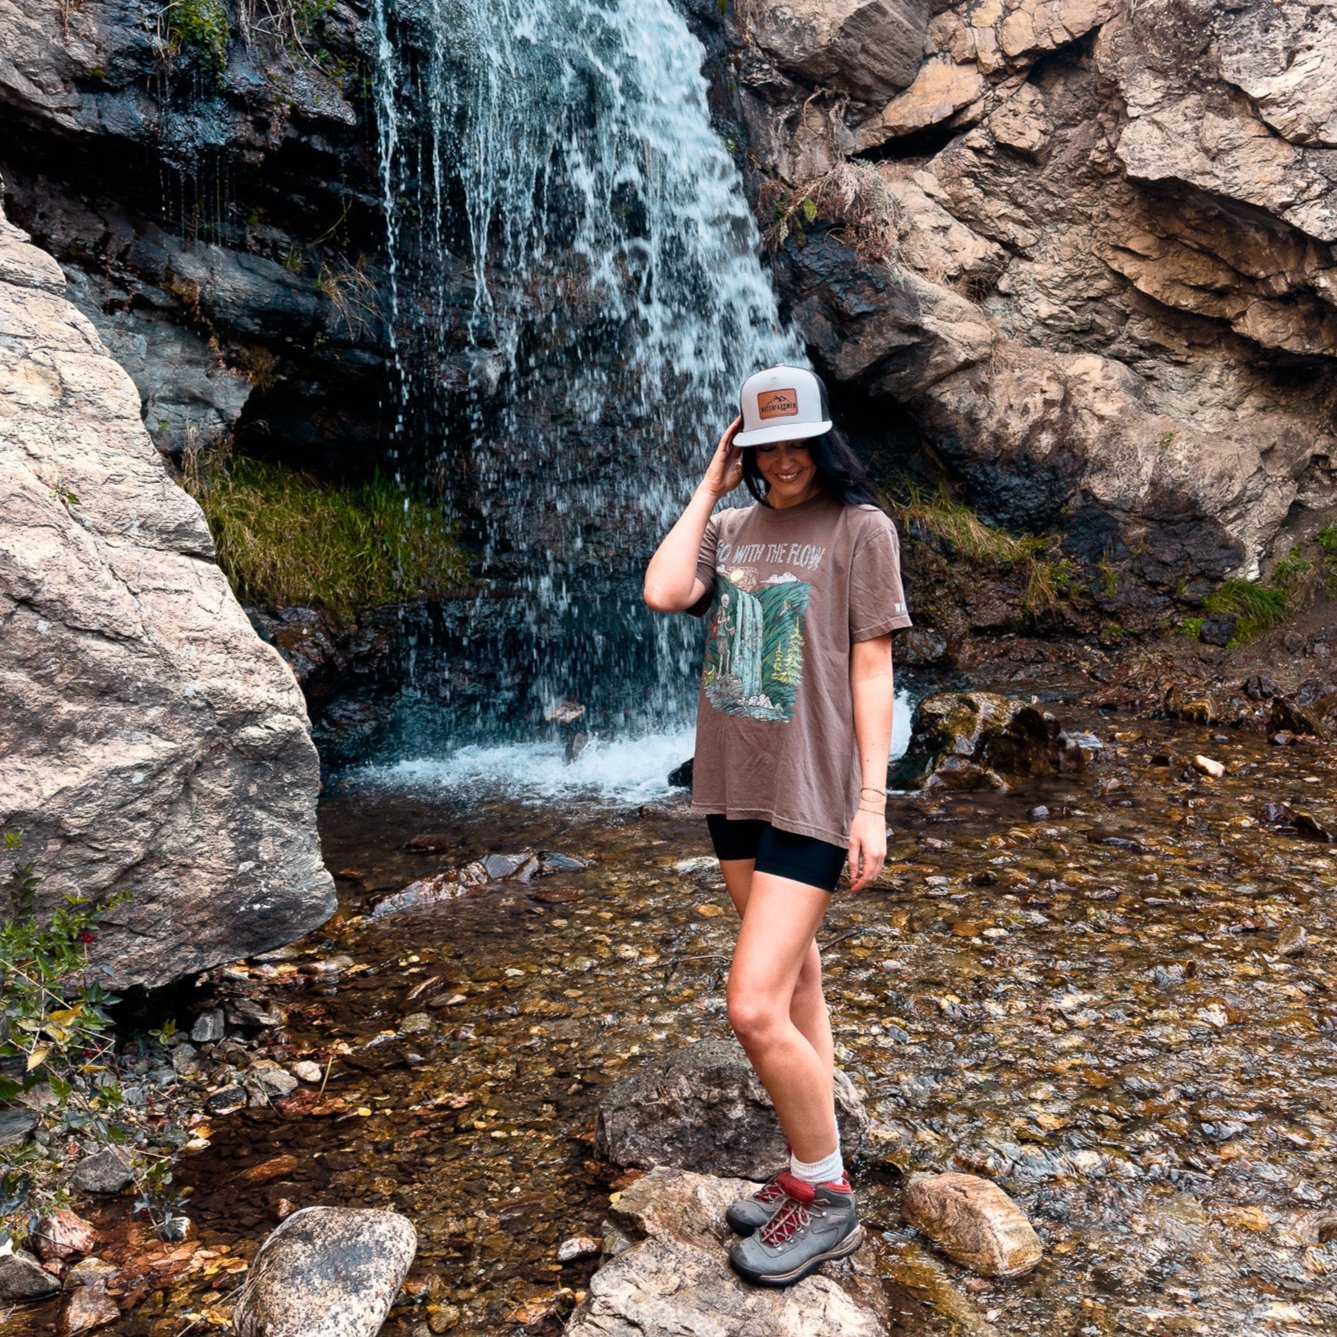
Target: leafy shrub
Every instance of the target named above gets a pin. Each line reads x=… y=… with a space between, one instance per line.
x=284 y=538
x=57 y=1056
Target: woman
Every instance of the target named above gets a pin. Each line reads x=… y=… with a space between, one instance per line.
x=801 y=592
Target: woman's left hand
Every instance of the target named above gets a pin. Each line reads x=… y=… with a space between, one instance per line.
x=868 y=847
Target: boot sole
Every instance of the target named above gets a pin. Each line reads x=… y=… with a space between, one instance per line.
x=850 y=1244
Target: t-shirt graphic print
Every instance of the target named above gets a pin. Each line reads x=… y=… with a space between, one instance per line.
x=754 y=644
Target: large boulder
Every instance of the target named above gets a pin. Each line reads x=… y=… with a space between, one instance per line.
x=327 y=1272
x=667 y=1274
x=149 y=741
x=703 y=1108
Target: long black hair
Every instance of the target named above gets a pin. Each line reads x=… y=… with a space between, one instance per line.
x=840 y=471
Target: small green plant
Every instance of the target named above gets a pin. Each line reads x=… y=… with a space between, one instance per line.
x=852 y=195
x=285 y=538
x=1327 y=546
x=1166 y=440
x=199 y=28
x=1191 y=628
x=941 y=514
x=1109 y=577
x=57 y=1055
x=1256 y=607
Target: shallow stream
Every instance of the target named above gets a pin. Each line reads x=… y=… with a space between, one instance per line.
x=1090 y=1005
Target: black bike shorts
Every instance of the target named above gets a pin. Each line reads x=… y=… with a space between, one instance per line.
x=815 y=863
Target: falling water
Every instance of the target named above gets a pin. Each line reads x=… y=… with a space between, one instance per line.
x=577 y=295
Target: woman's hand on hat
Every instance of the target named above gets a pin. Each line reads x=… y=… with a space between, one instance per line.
x=725 y=471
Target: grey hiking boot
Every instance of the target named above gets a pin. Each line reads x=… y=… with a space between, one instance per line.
x=748 y=1214
x=813 y=1225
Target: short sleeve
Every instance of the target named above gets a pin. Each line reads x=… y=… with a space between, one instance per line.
x=705 y=566
x=877 y=601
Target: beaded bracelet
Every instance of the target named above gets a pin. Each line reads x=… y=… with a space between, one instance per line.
x=874 y=789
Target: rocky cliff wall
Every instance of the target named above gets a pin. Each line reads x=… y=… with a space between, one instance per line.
x=149 y=741
x=1088 y=244
x=206 y=176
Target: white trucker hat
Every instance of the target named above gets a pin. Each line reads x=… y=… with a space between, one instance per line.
x=782 y=404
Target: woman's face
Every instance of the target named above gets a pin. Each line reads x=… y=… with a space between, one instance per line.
x=791 y=476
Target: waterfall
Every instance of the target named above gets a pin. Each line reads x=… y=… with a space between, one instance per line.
x=576 y=297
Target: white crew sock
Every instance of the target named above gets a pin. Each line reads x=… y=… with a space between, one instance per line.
x=829 y=1170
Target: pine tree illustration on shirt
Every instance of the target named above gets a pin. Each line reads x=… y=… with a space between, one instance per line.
x=754 y=645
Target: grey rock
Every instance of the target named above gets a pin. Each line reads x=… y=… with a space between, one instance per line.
x=185 y=1061
x=133 y=686
x=866 y=48
x=103 y=1172
x=702 y=1108
x=250 y=1012
x=666 y=1277
x=208 y=1027
x=275 y=1080
x=327 y=1272
x=22 y=1278
x=16 y=1125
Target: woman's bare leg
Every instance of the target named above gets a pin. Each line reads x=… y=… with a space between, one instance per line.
x=807 y=1009
x=780 y=921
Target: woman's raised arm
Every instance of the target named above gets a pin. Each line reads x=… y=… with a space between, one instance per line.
x=671 y=583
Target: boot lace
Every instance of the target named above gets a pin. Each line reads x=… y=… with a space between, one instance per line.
x=786 y=1223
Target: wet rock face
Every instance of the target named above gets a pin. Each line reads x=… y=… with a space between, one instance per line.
x=1110 y=304
x=704 y=1109
x=335 y=1269
x=667 y=1273
x=149 y=742
x=219 y=225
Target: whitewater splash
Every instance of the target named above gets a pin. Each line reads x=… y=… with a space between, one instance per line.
x=559 y=155
x=620 y=771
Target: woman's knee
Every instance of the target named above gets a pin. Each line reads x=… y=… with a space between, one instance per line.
x=754 y=1017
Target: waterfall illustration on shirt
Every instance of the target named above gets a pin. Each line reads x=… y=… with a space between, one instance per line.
x=754 y=644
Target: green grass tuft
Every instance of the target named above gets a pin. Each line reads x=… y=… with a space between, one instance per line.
x=285 y=538
x=1255 y=606
x=940 y=514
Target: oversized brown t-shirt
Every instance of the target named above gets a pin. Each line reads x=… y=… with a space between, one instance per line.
x=790 y=590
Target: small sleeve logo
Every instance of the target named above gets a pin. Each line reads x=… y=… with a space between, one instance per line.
x=777 y=404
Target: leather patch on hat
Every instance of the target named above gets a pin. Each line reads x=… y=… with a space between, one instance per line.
x=777 y=404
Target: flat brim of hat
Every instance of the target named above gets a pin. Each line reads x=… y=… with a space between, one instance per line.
x=782 y=431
